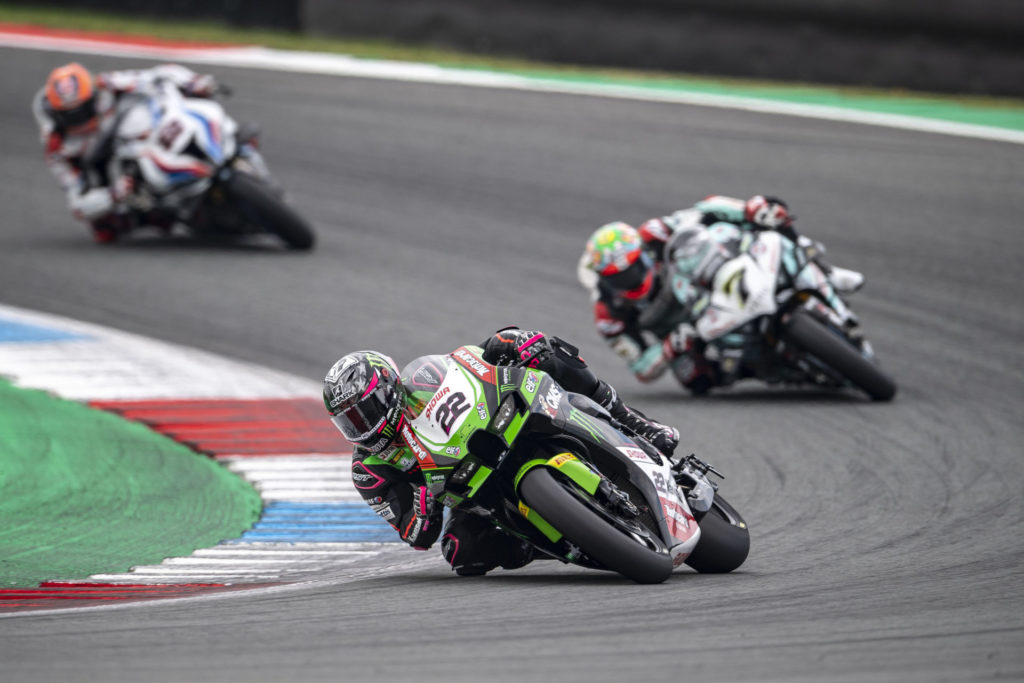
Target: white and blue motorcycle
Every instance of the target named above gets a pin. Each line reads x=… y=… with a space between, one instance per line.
x=193 y=164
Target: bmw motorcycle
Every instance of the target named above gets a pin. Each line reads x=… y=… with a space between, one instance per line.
x=554 y=469
x=192 y=164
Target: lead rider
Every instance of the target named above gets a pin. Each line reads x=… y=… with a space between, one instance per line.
x=368 y=400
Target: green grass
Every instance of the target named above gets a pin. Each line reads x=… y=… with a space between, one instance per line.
x=212 y=31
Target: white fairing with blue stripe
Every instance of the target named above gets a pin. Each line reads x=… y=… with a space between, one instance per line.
x=178 y=143
x=182 y=162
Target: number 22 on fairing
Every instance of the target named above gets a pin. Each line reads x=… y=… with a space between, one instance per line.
x=456 y=396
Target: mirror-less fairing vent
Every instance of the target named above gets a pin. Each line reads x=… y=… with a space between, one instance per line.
x=486 y=446
x=195 y=150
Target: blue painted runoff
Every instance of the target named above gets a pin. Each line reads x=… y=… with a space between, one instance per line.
x=286 y=522
x=12 y=331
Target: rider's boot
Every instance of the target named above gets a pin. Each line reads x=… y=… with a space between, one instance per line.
x=111 y=227
x=473 y=546
x=691 y=366
x=662 y=437
x=843 y=280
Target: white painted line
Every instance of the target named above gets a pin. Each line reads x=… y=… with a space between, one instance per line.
x=160 y=570
x=223 y=551
x=344 y=65
x=290 y=463
x=303 y=496
x=370 y=547
x=240 y=566
x=171 y=579
x=302 y=479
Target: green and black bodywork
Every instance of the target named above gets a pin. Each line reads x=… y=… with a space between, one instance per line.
x=550 y=467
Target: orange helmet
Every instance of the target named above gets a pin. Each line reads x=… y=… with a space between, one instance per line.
x=71 y=96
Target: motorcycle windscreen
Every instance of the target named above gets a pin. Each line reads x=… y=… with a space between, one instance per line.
x=422 y=377
x=741 y=291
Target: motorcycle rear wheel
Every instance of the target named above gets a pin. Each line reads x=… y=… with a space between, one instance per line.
x=805 y=332
x=724 y=540
x=260 y=206
x=594 y=535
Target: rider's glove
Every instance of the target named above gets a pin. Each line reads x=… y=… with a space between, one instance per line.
x=423 y=502
x=423 y=514
x=511 y=345
x=203 y=85
x=767 y=213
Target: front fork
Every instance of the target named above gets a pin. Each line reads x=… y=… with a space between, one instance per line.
x=691 y=474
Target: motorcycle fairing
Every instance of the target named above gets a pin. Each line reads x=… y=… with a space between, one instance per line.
x=455 y=438
x=646 y=471
x=572 y=468
x=176 y=141
x=743 y=288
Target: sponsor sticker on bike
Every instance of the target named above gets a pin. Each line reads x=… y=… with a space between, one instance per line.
x=634 y=453
x=562 y=458
x=469 y=361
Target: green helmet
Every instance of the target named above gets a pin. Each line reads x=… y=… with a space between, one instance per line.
x=616 y=253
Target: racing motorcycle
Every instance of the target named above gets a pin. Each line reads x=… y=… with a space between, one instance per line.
x=554 y=469
x=191 y=163
x=769 y=314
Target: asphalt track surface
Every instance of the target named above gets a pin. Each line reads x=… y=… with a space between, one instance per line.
x=886 y=538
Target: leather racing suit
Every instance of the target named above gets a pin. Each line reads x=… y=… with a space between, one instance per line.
x=656 y=333
x=392 y=483
x=78 y=158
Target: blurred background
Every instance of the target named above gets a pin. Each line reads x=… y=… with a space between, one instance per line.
x=947 y=46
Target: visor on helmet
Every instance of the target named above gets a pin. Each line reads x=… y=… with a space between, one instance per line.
x=73 y=118
x=368 y=415
x=635 y=280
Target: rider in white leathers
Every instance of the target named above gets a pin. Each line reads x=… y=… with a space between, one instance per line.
x=77 y=112
x=649 y=320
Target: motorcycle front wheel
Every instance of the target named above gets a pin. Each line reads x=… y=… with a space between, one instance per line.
x=595 y=536
x=805 y=332
x=260 y=206
x=724 y=540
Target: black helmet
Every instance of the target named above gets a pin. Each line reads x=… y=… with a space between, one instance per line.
x=364 y=395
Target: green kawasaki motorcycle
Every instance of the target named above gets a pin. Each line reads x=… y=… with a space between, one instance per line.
x=553 y=468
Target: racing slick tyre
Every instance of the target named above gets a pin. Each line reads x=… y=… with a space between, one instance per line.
x=807 y=333
x=724 y=540
x=260 y=206
x=594 y=535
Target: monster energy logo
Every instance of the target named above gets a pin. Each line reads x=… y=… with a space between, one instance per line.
x=585 y=422
x=506 y=387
